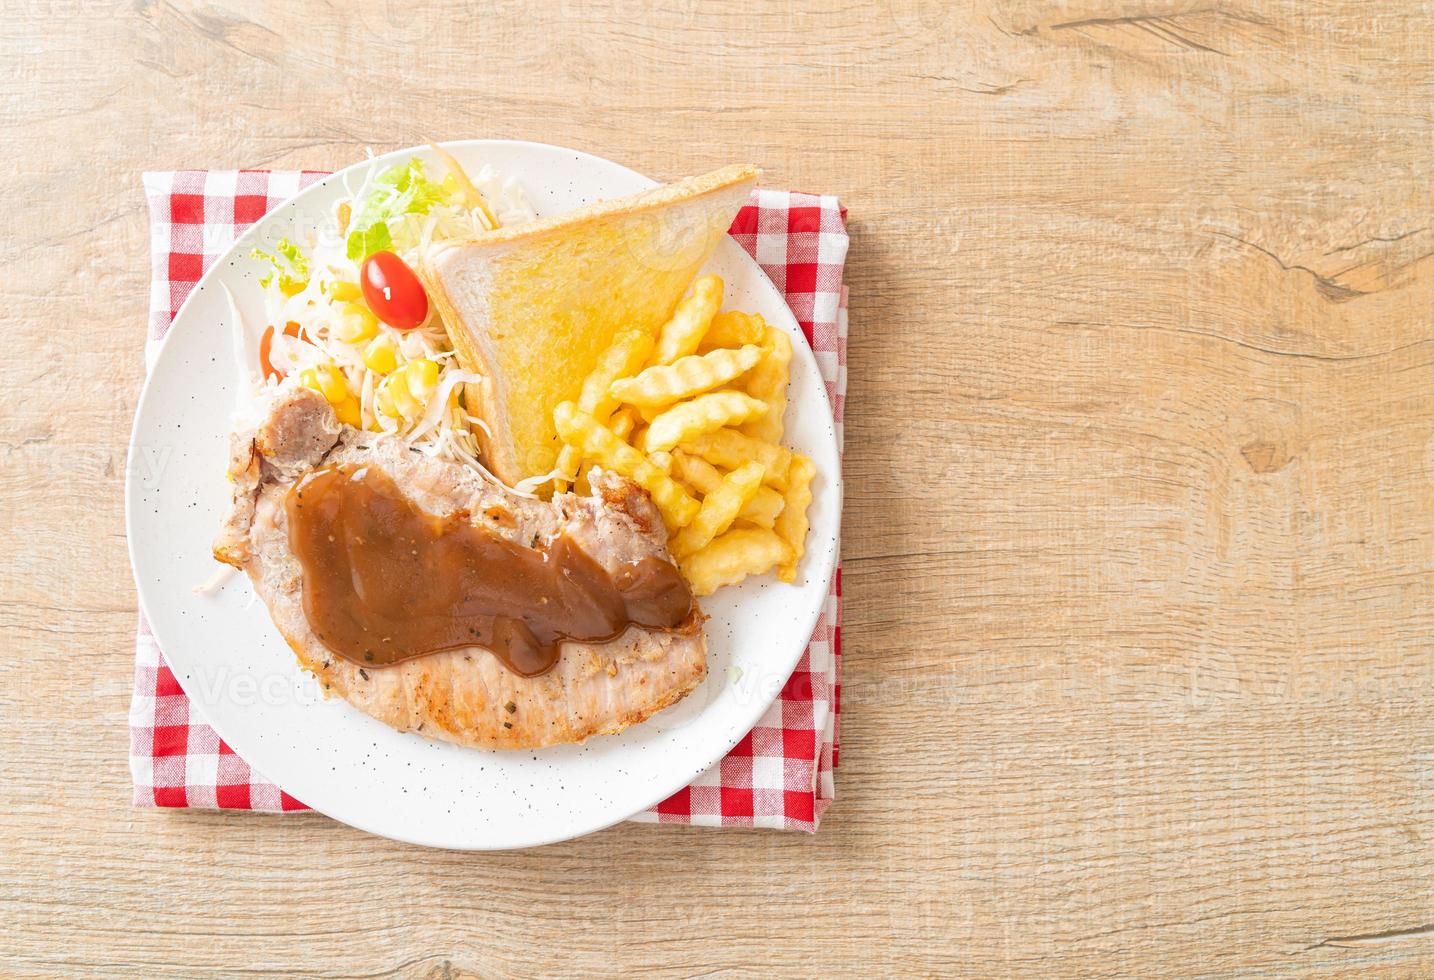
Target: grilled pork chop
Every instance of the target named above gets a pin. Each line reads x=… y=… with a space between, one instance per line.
x=466 y=696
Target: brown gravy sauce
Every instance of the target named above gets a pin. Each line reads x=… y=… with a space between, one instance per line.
x=384 y=581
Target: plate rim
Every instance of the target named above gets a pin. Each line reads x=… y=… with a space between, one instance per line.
x=835 y=487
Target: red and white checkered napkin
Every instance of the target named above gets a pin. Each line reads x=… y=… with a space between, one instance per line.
x=780 y=775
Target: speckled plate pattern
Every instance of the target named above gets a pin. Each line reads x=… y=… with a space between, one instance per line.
x=239 y=672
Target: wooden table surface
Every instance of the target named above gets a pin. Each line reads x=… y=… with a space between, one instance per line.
x=1139 y=533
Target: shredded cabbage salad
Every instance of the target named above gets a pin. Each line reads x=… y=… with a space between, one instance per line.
x=321 y=332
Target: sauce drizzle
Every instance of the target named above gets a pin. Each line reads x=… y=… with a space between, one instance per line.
x=385 y=581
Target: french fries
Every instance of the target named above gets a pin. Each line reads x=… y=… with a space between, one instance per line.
x=681 y=335
x=732 y=557
x=702 y=478
x=730 y=448
x=629 y=351
x=623 y=422
x=733 y=329
x=663 y=384
x=792 y=525
x=694 y=417
x=719 y=509
x=695 y=471
x=768 y=382
x=687 y=420
x=596 y=442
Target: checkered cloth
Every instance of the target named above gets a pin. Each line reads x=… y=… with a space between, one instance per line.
x=779 y=775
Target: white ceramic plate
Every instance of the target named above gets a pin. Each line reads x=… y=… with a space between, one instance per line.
x=237 y=669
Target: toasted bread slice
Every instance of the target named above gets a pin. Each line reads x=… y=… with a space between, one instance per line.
x=532 y=307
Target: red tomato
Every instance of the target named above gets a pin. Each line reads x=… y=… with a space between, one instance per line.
x=266 y=343
x=392 y=291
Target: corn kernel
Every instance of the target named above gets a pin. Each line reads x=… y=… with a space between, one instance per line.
x=345 y=292
x=422 y=377
x=391 y=396
x=348 y=411
x=381 y=354
x=356 y=324
x=404 y=394
x=328 y=381
x=335 y=385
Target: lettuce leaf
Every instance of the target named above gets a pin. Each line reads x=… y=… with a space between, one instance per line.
x=290 y=265
x=401 y=190
x=362 y=244
x=412 y=191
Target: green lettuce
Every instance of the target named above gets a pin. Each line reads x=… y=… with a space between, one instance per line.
x=290 y=265
x=365 y=242
x=401 y=190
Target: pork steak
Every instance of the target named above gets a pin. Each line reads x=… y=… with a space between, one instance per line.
x=464 y=696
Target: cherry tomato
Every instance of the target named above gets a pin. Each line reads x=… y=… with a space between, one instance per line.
x=266 y=344
x=392 y=291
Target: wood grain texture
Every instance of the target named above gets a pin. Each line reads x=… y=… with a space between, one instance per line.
x=1139 y=535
